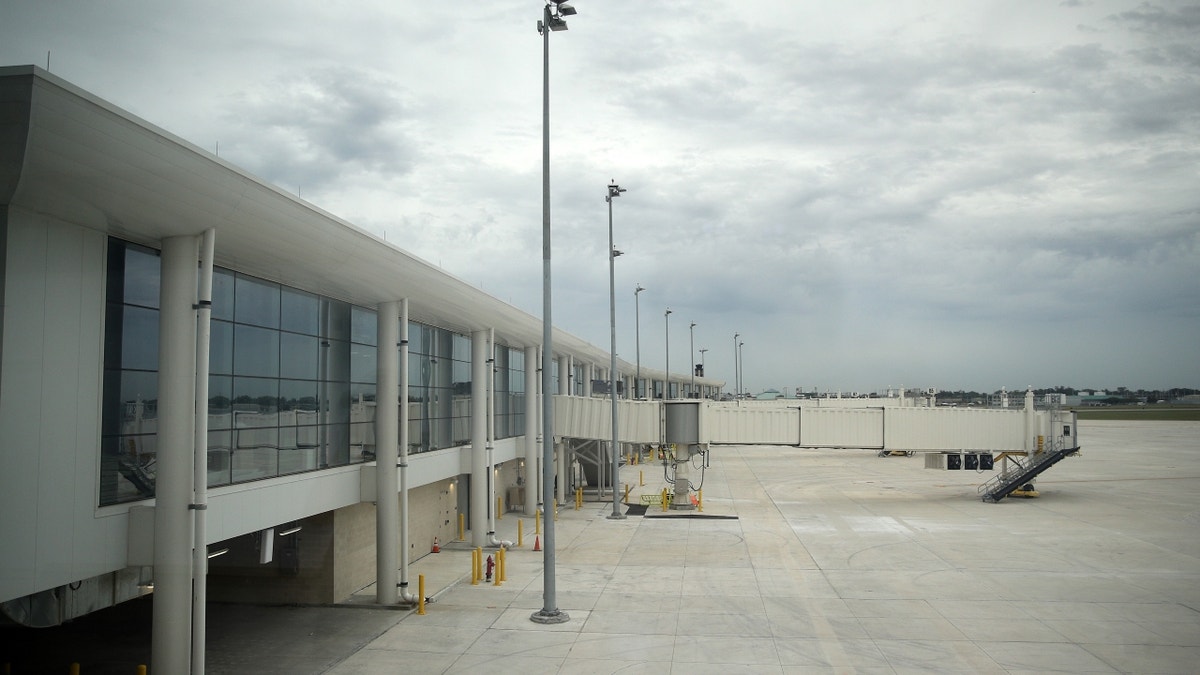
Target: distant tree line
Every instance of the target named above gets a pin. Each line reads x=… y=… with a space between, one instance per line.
x=1115 y=395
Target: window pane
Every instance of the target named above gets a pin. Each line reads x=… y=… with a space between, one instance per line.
x=139 y=338
x=222 y=294
x=337 y=399
x=362 y=326
x=138 y=402
x=362 y=363
x=298 y=356
x=220 y=347
x=255 y=402
x=142 y=275
x=255 y=351
x=299 y=397
x=298 y=449
x=417 y=338
x=220 y=445
x=337 y=445
x=127 y=468
x=335 y=363
x=255 y=454
x=256 y=302
x=362 y=442
x=335 y=319
x=461 y=347
x=299 y=311
x=220 y=402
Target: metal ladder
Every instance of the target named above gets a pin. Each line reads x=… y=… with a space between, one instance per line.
x=1006 y=482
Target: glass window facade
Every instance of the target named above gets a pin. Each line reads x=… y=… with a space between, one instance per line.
x=292 y=383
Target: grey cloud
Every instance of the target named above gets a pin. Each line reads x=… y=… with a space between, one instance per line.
x=314 y=129
x=1153 y=19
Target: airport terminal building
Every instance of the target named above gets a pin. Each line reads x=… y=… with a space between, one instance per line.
x=110 y=229
x=201 y=371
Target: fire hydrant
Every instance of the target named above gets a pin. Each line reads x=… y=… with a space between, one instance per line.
x=491 y=565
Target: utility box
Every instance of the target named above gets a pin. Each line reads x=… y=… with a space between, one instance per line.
x=683 y=423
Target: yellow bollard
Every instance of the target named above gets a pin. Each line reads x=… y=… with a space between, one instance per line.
x=496 y=572
x=520 y=533
x=503 y=566
x=626 y=500
x=499 y=507
x=474 y=567
x=641 y=478
x=141 y=670
x=664 y=499
x=462 y=525
x=537 y=522
x=74 y=669
x=421 y=594
x=700 y=499
x=578 y=498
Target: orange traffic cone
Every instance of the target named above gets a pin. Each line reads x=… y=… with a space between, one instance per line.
x=436 y=546
x=537 y=543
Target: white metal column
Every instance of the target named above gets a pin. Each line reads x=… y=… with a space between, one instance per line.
x=532 y=475
x=387 y=433
x=479 y=469
x=171 y=628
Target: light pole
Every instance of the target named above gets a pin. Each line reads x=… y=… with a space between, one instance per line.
x=667 y=377
x=702 y=350
x=637 y=337
x=692 y=358
x=613 y=191
x=737 y=382
x=741 y=367
x=552 y=20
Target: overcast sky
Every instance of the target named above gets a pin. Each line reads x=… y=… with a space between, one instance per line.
x=961 y=195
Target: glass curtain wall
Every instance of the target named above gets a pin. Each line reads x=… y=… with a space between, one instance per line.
x=292 y=384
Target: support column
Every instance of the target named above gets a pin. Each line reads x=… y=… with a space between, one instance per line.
x=1030 y=423
x=479 y=469
x=564 y=376
x=387 y=433
x=589 y=376
x=171 y=628
x=565 y=371
x=532 y=475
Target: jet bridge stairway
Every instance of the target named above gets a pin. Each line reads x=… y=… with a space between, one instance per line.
x=1007 y=482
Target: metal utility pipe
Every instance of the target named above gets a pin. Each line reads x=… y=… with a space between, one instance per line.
x=405 y=595
x=491 y=443
x=479 y=469
x=200 y=454
x=171 y=629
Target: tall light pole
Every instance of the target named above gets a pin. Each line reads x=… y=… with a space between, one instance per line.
x=741 y=367
x=737 y=382
x=613 y=191
x=552 y=20
x=637 y=337
x=702 y=350
x=692 y=358
x=667 y=378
